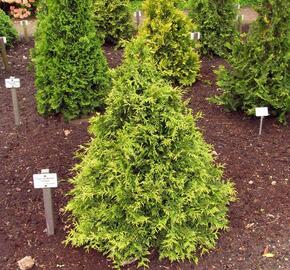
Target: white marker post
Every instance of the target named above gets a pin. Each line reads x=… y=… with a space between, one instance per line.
x=262 y=112
x=138 y=15
x=13 y=83
x=240 y=19
x=3 y=41
x=46 y=181
x=195 y=35
x=24 y=24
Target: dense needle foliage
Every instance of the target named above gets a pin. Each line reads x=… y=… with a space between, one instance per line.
x=6 y=28
x=260 y=72
x=167 y=32
x=216 y=20
x=71 y=70
x=113 y=20
x=147 y=179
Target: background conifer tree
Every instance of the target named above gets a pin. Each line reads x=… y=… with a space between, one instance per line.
x=260 y=75
x=113 y=20
x=6 y=28
x=167 y=32
x=216 y=20
x=71 y=70
x=147 y=179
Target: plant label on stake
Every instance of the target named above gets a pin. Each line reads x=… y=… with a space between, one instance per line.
x=240 y=19
x=13 y=83
x=3 y=41
x=24 y=24
x=261 y=112
x=195 y=35
x=46 y=181
x=138 y=15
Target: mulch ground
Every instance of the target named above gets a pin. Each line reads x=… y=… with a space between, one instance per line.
x=259 y=166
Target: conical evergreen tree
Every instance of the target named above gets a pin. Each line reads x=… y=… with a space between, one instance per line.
x=216 y=20
x=260 y=75
x=113 y=20
x=71 y=70
x=147 y=179
x=6 y=28
x=167 y=32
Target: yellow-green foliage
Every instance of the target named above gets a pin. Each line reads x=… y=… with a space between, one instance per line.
x=167 y=32
x=147 y=179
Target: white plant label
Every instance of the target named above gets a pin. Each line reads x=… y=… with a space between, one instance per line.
x=240 y=16
x=12 y=82
x=195 y=35
x=4 y=39
x=45 y=180
x=262 y=111
x=137 y=13
x=24 y=23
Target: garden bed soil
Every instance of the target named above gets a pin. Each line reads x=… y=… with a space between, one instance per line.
x=259 y=167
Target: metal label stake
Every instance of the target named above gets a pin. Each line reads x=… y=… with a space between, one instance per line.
x=3 y=41
x=46 y=181
x=24 y=24
x=195 y=35
x=138 y=15
x=261 y=112
x=12 y=83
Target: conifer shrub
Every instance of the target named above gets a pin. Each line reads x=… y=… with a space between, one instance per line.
x=216 y=20
x=259 y=73
x=6 y=28
x=147 y=179
x=113 y=20
x=167 y=32
x=71 y=70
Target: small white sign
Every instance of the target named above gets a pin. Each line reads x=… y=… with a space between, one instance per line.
x=137 y=13
x=240 y=17
x=45 y=180
x=12 y=82
x=4 y=39
x=195 y=35
x=262 y=111
x=24 y=23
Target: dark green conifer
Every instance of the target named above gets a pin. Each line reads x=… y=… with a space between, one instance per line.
x=6 y=28
x=216 y=20
x=259 y=74
x=113 y=20
x=71 y=70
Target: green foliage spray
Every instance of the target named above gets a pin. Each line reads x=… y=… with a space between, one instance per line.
x=113 y=20
x=260 y=72
x=216 y=20
x=6 y=28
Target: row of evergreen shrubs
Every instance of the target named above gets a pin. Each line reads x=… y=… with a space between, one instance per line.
x=147 y=179
x=6 y=28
